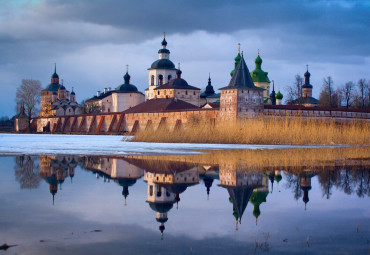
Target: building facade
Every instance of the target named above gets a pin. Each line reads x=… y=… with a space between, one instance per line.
x=57 y=101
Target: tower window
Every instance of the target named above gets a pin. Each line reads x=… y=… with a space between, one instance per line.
x=186 y=92
x=152 y=80
x=169 y=77
x=151 y=190
x=160 y=79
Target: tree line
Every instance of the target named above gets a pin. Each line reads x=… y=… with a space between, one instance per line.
x=349 y=95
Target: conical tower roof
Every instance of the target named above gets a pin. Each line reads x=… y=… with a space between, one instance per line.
x=241 y=78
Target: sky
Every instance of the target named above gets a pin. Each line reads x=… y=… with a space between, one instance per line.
x=92 y=41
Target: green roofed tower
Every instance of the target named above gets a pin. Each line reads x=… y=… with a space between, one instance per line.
x=260 y=77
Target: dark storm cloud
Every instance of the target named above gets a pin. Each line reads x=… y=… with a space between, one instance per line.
x=345 y=22
x=90 y=38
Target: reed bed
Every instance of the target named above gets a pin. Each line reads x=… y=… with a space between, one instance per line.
x=264 y=130
x=327 y=158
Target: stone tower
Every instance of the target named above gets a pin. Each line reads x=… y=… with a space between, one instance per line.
x=241 y=98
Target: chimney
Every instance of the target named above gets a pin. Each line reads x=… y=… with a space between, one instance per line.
x=105 y=90
x=98 y=93
x=109 y=89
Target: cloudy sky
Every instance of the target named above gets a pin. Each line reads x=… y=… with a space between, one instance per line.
x=92 y=41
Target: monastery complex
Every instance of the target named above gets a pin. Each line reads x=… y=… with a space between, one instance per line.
x=170 y=101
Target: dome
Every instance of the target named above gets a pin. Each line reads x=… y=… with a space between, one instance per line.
x=164 y=42
x=73 y=93
x=127 y=88
x=62 y=87
x=163 y=64
x=279 y=95
x=55 y=76
x=278 y=178
x=126 y=181
x=258 y=60
x=238 y=57
x=53 y=87
x=258 y=75
x=161 y=207
x=179 y=82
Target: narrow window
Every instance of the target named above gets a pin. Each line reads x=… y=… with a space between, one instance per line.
x=169 y=77
x=151 y=190
x=152 y=80
x=160 y=79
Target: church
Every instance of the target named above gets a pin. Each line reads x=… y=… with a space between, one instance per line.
x=56 y=100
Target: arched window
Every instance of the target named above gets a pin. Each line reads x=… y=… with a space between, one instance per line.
x=160 y=79
x=169 y=77
x=152 y=80
x=186 y=92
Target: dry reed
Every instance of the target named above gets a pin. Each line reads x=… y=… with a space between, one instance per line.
x=263 y=131
x=326 y=158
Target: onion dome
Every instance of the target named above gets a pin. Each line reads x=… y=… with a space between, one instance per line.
x=164 y=42
x=162 y=64
x=209 y=89
x=55 y=76
x=258 y=75
x=127 y=87
x=62 y=87
x=278 y=178
x=279 y=96
x=307 y=84
x=237 y=60
x=73 y=93
x=161 y=207
x=257 y=199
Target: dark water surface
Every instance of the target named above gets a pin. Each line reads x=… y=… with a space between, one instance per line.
x=157 y=205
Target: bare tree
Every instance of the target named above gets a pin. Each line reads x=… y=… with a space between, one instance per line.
x=27 y=172
x=29 y=95
x=327 y=93
x=294 y=92
x=347 y=90
x=363 y=87
x=90 y=106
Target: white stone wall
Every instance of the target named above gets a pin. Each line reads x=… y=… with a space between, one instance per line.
x=124 y=101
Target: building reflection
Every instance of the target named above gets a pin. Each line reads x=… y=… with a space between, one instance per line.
x=168 y=178
x=55 y=169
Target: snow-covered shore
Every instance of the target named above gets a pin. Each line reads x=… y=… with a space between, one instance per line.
x=46 y=144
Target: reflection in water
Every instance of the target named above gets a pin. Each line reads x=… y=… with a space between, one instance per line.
x=249 y=183
x=168 y=177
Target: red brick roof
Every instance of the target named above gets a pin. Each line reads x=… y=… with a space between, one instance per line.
x=162 y=105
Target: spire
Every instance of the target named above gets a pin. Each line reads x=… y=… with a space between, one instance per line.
x=237 y=59
x=178 y=72
x=55 y=67
x=241 y=78
x=273 y=94
x=307 y=79
x=53 y=198
x=127 y=77
x=164 y=42
x=161 y=228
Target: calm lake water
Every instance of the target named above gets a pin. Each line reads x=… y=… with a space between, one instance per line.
x=65 y=204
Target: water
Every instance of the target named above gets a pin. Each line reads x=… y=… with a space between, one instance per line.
x=196 y=204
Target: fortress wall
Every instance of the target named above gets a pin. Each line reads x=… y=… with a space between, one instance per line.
x=116 y=123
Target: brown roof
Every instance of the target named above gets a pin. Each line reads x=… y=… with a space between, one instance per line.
x=161 y=105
